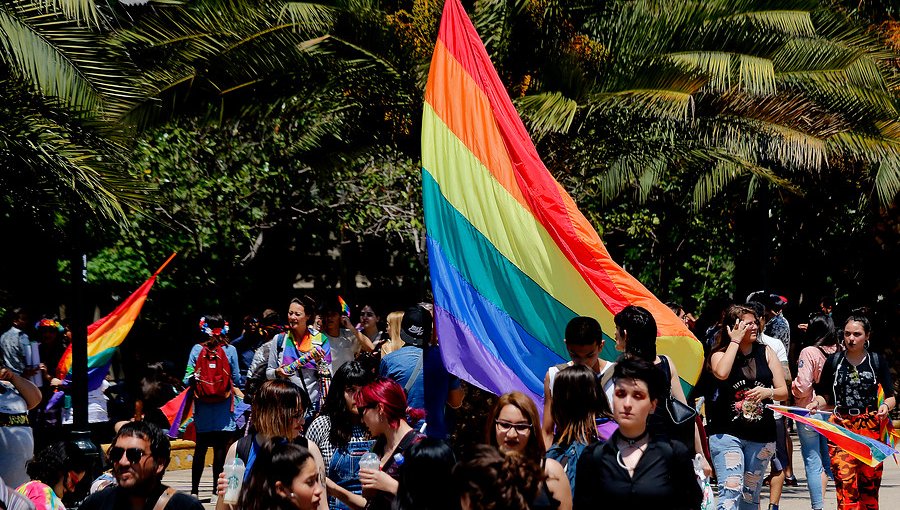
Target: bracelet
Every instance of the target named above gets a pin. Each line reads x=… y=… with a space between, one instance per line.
x=772 y=395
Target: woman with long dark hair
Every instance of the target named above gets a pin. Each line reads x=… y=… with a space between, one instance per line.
x=513 y=427
x=339 y=431
x=820 y=341
x=850 y=382
x=577 y=403
x=213 y=402
x=286 y=479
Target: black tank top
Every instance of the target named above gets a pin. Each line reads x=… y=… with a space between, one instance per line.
x=730 y=413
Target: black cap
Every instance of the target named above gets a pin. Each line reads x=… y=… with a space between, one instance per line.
x=416 y=326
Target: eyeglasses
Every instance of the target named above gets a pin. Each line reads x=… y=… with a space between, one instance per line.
x=362 y=409
x=367 y=314
x=520 y=428
x=133 y=455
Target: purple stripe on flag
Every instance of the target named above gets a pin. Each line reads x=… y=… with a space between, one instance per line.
x=467 y=358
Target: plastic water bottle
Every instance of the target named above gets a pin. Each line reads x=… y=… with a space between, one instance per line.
x=370 y=460
x=234 y=475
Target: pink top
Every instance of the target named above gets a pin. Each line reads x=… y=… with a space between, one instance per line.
x=809 y=368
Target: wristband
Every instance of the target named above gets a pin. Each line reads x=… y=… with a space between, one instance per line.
x=772 y=394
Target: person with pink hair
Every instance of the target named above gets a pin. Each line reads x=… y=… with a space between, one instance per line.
x=383 y=409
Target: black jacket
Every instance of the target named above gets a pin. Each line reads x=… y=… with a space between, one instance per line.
x=663 y=478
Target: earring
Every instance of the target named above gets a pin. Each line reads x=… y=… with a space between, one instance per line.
x=866 y=345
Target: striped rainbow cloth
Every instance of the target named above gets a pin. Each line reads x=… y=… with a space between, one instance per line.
x=870 y=451
x=512 y=259
x=107 y=334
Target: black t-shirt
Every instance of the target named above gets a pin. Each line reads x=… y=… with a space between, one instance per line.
x=730 y=412
x=845 y=385
x=116 y=498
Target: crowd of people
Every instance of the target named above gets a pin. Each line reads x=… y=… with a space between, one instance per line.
x=348 y=415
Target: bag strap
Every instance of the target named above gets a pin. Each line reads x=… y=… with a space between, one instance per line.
x=607 y=376
x=415 y=374
x=164 y=498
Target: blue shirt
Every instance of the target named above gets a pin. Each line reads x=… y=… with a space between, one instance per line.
x=399 y=366
x=438 y=383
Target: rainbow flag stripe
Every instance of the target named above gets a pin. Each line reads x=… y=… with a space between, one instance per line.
x=107 y=334
x=870 y=451
x=512 y=258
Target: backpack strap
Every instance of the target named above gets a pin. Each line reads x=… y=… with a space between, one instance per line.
x=412 y=379
x=242 y=451
x=279 y=345
x=606 y=377
x=164 y=498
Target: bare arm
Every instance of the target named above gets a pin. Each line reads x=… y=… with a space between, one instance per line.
x=29 y=392
x=455 y=397
x=354 y=501
x=547 y=423
x=778 y=376
x=721 y=362
x=365 y=344
x=558 y=483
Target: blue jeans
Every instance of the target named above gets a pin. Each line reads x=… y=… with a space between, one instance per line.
x=814 y=448
x=740 y=466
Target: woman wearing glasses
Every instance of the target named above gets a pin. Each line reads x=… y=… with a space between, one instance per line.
x=850 y=382
x=278 y=411
x=513 y=427
x=382 y=407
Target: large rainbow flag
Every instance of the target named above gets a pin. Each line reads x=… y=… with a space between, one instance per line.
x=512 y=259
x=107 y=334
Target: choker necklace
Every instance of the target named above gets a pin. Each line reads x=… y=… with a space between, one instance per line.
x=632 y=440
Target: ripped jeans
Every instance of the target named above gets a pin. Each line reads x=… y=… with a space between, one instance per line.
x=740 y=466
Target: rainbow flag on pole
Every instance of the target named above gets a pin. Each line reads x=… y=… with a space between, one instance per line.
x=866 y=449
x=107 y=334
x=512 y=259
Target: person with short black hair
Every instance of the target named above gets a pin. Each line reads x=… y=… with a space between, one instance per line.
x=635 y=468
x=54 y=472
x=139 y=455
x=584 y=342
x=491 y=480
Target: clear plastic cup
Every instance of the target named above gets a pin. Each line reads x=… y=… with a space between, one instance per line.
x=234 y=475
x=370 y=460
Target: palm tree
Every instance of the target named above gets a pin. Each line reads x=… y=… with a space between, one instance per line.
x=712 y=93
x=63 y=92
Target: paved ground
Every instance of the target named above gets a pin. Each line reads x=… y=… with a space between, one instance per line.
x=792 y=498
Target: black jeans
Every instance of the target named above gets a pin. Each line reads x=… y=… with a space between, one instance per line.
x=219 y=441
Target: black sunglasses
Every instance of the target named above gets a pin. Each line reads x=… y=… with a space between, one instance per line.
x=133 y=455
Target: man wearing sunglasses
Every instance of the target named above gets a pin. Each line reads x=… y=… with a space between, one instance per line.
x=139 y=456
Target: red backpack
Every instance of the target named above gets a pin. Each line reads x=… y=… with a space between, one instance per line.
x=212 y=375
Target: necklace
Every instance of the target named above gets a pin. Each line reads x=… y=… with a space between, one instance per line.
x=630 y=443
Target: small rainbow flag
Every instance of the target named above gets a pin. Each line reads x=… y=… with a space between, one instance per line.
x=345 y=308
x=866 y=449
x=512 y=259
x=107 y=334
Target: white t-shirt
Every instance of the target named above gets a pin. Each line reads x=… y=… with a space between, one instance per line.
x=344 y=348
x=780 y=353
x=608 y=388
x=96 y=406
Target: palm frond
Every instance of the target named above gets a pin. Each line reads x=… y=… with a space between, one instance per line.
x=714 y=182
x=549 y=112
x=308 y=17
x=791 y=22
x=78 y=10
x=887 y=180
